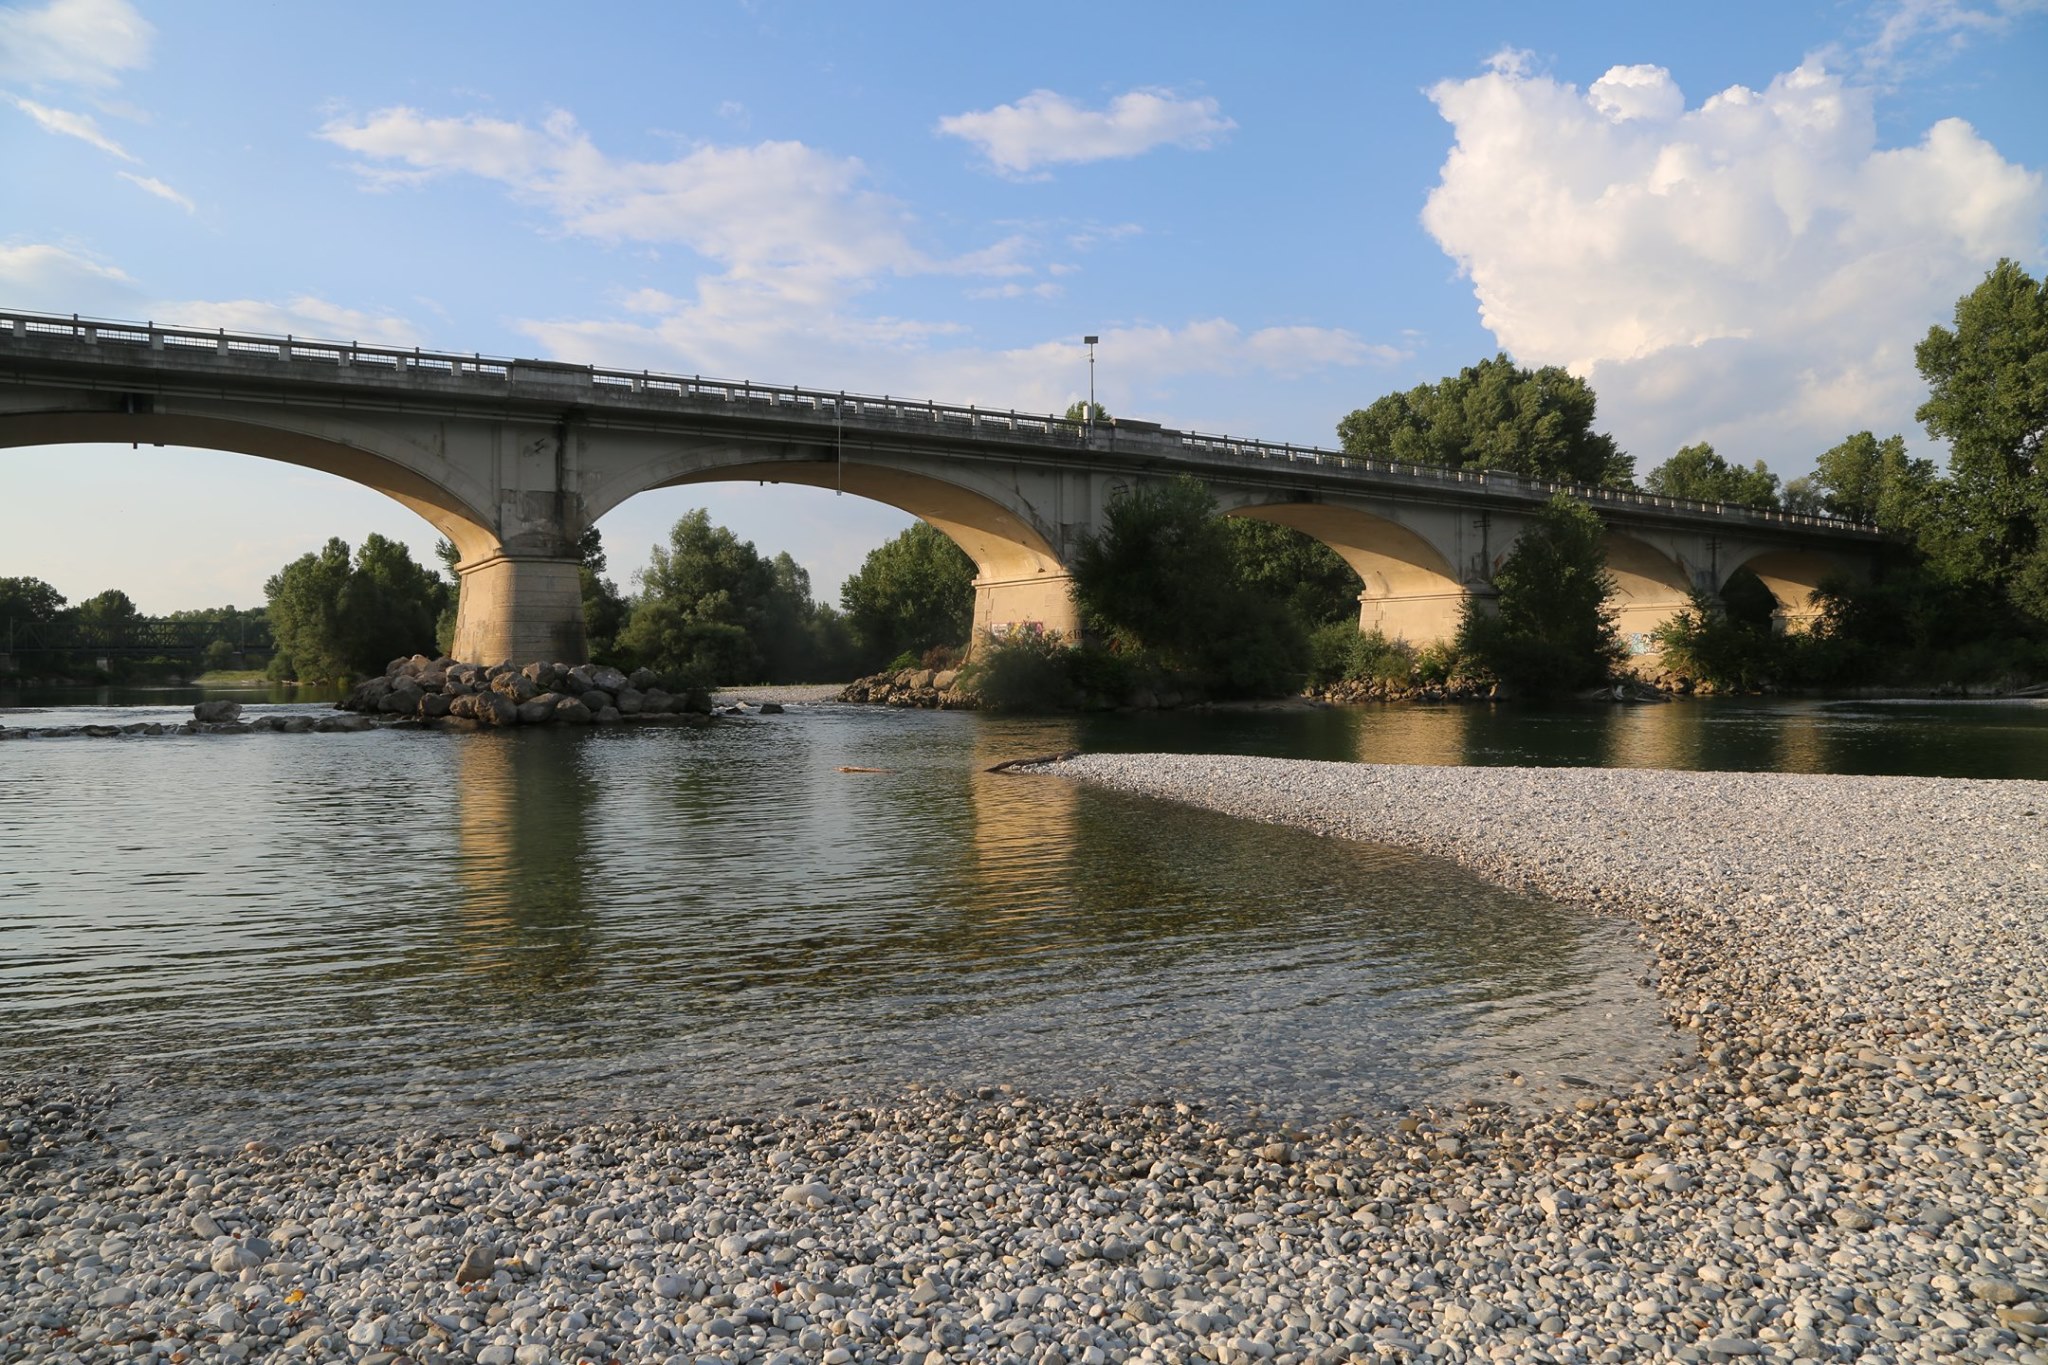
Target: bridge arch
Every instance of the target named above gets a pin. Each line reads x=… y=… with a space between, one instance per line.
x=1411 y=591
x=367 y=459
x=1792 y=575
x=500 y=583
x=1650 y=587
x=1021 y=580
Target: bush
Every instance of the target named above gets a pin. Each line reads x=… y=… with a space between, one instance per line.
x=1340 y=652
x=1023 y=671
x=1708 y=644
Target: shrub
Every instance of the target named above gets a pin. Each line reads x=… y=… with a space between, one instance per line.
x=1023 y=671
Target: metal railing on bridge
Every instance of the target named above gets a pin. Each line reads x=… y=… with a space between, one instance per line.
x=840 y=407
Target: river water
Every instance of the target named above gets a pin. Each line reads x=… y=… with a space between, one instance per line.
x=320 y=933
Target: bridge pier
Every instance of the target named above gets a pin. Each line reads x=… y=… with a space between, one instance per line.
x=1043 y=602
x=520 y=609
x=1421 y=619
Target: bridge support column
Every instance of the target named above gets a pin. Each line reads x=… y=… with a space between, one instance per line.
x=1042 y=602
x=520 y=609
x=1421 y=619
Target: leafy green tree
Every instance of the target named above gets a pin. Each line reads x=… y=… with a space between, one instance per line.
x=1698 y=473
x=604 y=608
x=1803 y=495
x=1077 y=411
x=1493 y=415
x=712 y=610
x=305 y=615
x=1294 y=571
x=911 y=594
x=1162 y=577
x=29 y=601
x=1550 y=628
x=1988 y=382
x=108 y=616
x=334 y=616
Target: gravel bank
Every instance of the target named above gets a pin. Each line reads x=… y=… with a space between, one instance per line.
x=1851 y=1169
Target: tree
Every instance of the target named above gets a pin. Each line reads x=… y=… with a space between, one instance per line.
x=1162 y=577
x=1550 y=628
x=1988 y=383
x=106 y=617
x=1294 y=571
x=305 y=615
x=1698 y=473
x=335 y=617
x=1493 y=415
x=1077 y=411
x=29 y=601
x=604 y=609
x=911 y=594
x=712 y=610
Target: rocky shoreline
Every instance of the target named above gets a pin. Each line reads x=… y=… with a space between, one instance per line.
x=1852 y=1166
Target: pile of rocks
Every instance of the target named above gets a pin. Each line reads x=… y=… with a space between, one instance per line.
x=1351 y=691
x=506 y=694
x=935 y=689
x=208 y=718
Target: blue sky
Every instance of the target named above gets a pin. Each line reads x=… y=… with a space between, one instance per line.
x=1735 y=221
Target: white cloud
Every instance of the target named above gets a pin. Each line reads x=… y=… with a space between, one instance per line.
x=37 y=275
x=72 y=42
x=1754 y=271
x=67 y=124
x=302 y=316
x=1913 y=30
x=780 y=215
x=149 y=184
x=1045 y=128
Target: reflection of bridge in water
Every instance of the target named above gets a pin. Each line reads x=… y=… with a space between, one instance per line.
x=513 y=459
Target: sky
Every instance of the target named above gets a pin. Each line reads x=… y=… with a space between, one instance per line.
x=1735 y=221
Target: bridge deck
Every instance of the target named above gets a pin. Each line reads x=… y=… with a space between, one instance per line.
x=102 y=354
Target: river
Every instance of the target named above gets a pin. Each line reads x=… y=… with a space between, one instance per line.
x=336 y=932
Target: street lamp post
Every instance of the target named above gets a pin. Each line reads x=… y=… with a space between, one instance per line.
x=1090 y=342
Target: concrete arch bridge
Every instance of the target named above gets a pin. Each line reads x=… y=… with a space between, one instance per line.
x=514 y=459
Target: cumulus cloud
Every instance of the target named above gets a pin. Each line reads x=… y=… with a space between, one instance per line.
x=67 y=124
x=1754 y=270
x=47 y=278
x=1045 y=128
x=72 y=42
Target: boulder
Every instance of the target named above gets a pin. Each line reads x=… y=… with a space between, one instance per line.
x=217 y=710
x=403 y=699
x=435 y=705
x=655 y=702
x=605 y=715
x=597 y=699
x=296 y=725
x=538 y=674
x=945 y=678
x=610 y=680
x=628 y=701
x=394 y=668
x=643 y=679
x=517 y=686
x=540 y=710
x=582 y=678
x=493 y=709
x=570 y=711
